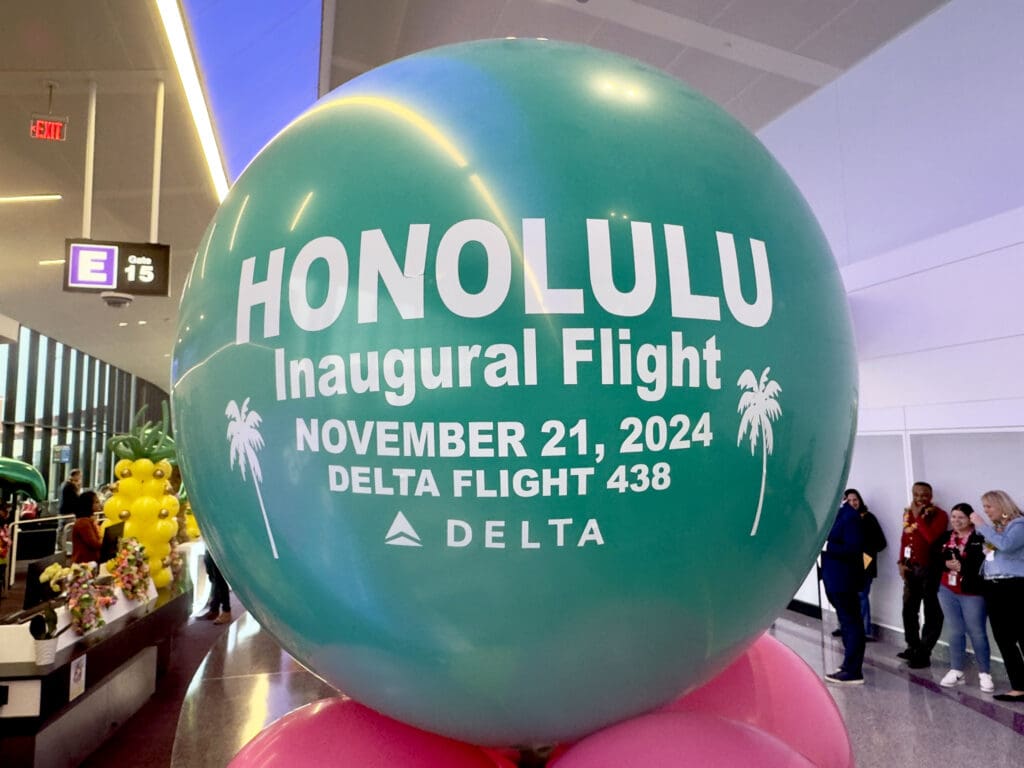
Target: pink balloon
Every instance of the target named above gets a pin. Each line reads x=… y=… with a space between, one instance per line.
x=681 y=740
x=771 y=688
x=339 y=733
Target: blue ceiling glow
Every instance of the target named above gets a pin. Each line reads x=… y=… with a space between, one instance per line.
x=260 y=64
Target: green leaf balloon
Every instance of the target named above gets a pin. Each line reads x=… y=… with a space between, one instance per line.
x=515 y=388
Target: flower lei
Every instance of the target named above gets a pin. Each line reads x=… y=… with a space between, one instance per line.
x=56 y=575
x=131 y=571
x=86 y=597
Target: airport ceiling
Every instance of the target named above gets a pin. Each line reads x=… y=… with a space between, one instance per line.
x=757 y=58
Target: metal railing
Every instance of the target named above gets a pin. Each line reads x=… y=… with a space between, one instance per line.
x=16 y=526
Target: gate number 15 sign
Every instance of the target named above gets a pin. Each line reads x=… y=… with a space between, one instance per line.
x=141 y=269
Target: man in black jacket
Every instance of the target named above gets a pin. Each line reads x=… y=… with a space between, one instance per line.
x=842 y=570
x=69 y=492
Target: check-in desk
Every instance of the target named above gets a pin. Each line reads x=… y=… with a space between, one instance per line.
x=56 y=715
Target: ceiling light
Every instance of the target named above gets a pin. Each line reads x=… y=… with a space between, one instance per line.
x=142 y=322
x=30 y=198
x=50 y=262
x=122 y=324
x=174 y=28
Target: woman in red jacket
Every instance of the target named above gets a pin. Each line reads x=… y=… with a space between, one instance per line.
x=86 y=538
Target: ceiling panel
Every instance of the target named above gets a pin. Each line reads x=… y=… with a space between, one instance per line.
x=698 y=10
x=782 y=23
x=655 y=51
x=865 y=26
x=367 y=33
x=766 y=99
x=717 y=78
x=538 y=18
x=430 y=23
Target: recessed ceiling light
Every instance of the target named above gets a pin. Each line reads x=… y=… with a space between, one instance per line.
x=122 y=324
x=167 y=354
x=142 y=322
x=174 y=28
x=29 y=198
x=50 y=262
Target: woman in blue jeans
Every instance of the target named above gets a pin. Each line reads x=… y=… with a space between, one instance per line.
x=960 y=595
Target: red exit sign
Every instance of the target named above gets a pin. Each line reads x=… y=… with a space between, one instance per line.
x=48 y=128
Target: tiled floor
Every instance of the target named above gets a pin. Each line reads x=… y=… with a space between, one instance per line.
x=900 y=717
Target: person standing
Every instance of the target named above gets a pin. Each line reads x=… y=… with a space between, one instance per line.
x=960 y=557
x=219 y=605
x=1003 y=570
x=69 y=492
x=86 y=538
x=874 y=542
x=923 y=524
x=842 y=571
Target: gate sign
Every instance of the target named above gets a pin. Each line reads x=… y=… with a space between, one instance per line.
x=142 y=269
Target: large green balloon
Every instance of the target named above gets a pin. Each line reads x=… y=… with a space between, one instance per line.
x=17 y=475
x=515 y=389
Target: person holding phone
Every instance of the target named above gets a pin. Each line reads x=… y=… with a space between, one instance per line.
x=1003 y=529
x=960 y=556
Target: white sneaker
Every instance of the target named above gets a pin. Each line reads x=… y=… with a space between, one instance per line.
x=953 y=677
x=985 y=680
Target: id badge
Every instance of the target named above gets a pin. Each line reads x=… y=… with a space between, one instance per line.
x=906 y=552
x=952 y=579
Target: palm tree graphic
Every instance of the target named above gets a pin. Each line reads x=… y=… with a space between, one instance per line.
x=759 y=408
x=245 y=438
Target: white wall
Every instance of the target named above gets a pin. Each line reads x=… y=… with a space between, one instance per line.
x=914 y=163
x=919 y=138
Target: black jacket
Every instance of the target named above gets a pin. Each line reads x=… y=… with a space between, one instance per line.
x=971 y=580
x=842 y=562
x=874 y=542
x=68 y=498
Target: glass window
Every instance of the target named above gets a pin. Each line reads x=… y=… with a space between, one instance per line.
x=58 y=364
x=96 y=383
x=4 y=352
x=21 y=394
x=37 y=451
x=83 y=378
x=40 y=376
x=107 y=397
x=72 y=387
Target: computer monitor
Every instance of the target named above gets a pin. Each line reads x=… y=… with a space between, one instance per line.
x=35 y=592
x=112 y=535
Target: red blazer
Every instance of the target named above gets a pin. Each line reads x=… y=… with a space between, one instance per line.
x=85 y=541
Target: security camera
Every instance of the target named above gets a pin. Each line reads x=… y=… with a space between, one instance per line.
x=116 y=300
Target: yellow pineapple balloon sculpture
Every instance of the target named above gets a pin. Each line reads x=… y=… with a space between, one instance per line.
x=191 y=525
x=143 y=498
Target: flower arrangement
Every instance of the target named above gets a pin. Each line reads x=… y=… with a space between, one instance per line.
x=175 y=561
x=130 y=570
x=87 y=595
